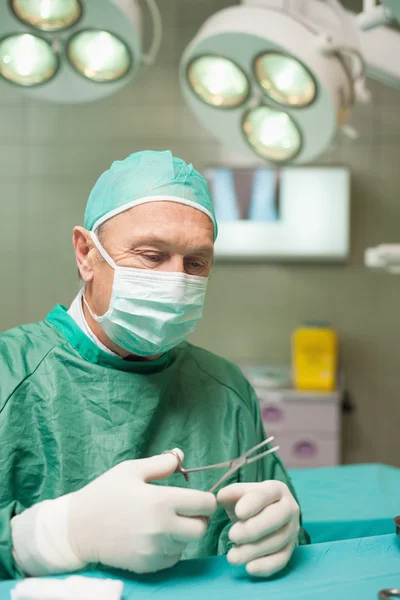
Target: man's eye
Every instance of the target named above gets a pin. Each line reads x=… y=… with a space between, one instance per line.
x=151 y=257
x=195 y=266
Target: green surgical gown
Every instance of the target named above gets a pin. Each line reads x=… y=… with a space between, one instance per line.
x=70 y=411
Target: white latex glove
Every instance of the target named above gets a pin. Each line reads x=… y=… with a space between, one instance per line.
x=266 y=521
x=120 y=520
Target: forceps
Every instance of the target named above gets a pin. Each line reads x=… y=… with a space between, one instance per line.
x=232 y=465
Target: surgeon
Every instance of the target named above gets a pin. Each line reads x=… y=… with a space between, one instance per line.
x=92 y=397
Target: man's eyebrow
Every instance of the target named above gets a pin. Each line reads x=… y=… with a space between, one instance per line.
x=150 y=241
x=160 y=241
x=205 y=250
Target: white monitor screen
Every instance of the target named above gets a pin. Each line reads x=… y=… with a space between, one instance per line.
x=289 y=213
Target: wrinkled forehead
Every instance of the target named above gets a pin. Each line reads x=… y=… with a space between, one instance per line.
x=162 y=223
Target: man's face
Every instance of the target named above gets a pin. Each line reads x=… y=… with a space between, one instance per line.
x=161 y=236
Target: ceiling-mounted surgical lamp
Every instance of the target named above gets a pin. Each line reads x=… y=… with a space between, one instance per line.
x=45 y=15
x=275 y=78
x=27 y=60
x=73 y=51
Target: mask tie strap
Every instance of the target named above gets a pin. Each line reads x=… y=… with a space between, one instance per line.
x=107 y=258
x=102 y=251
x=92 y=314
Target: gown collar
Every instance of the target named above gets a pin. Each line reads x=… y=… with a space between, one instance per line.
x=60 y=318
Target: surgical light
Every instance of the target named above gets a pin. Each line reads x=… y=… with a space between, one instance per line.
x=47 y=15
x=303 y=67
x=218 y=81
x=272 y=133
x=27 y=60
x=99 y=55
x=93 y=47
x=284 y=79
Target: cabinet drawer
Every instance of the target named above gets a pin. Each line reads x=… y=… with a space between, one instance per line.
x=300 y=416
x=307 y=449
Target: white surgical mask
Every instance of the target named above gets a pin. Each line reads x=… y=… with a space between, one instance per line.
x=150 y=312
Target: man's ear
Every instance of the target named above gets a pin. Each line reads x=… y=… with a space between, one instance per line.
x=82 y=243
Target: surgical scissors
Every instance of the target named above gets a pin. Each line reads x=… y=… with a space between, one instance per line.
x=232 y=465
x=387 y=594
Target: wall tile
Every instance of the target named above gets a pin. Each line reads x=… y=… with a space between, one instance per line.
x=12 y=159
x=12 y=260
x=43 y=121
x=9 y=94
x=125 y=123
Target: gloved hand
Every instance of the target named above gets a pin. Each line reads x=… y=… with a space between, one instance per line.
x=123 y=521
x=266 y=521
x=120 y=520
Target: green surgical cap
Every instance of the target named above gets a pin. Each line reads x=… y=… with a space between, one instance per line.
x=143 y=177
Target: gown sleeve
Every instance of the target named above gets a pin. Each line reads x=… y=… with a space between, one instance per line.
x=8 y=567
x=13 y=372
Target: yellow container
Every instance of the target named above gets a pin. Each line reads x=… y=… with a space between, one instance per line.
x=314 y=357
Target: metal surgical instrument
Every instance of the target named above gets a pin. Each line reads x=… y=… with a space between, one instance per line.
x=387 y=594
x=232 y=465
